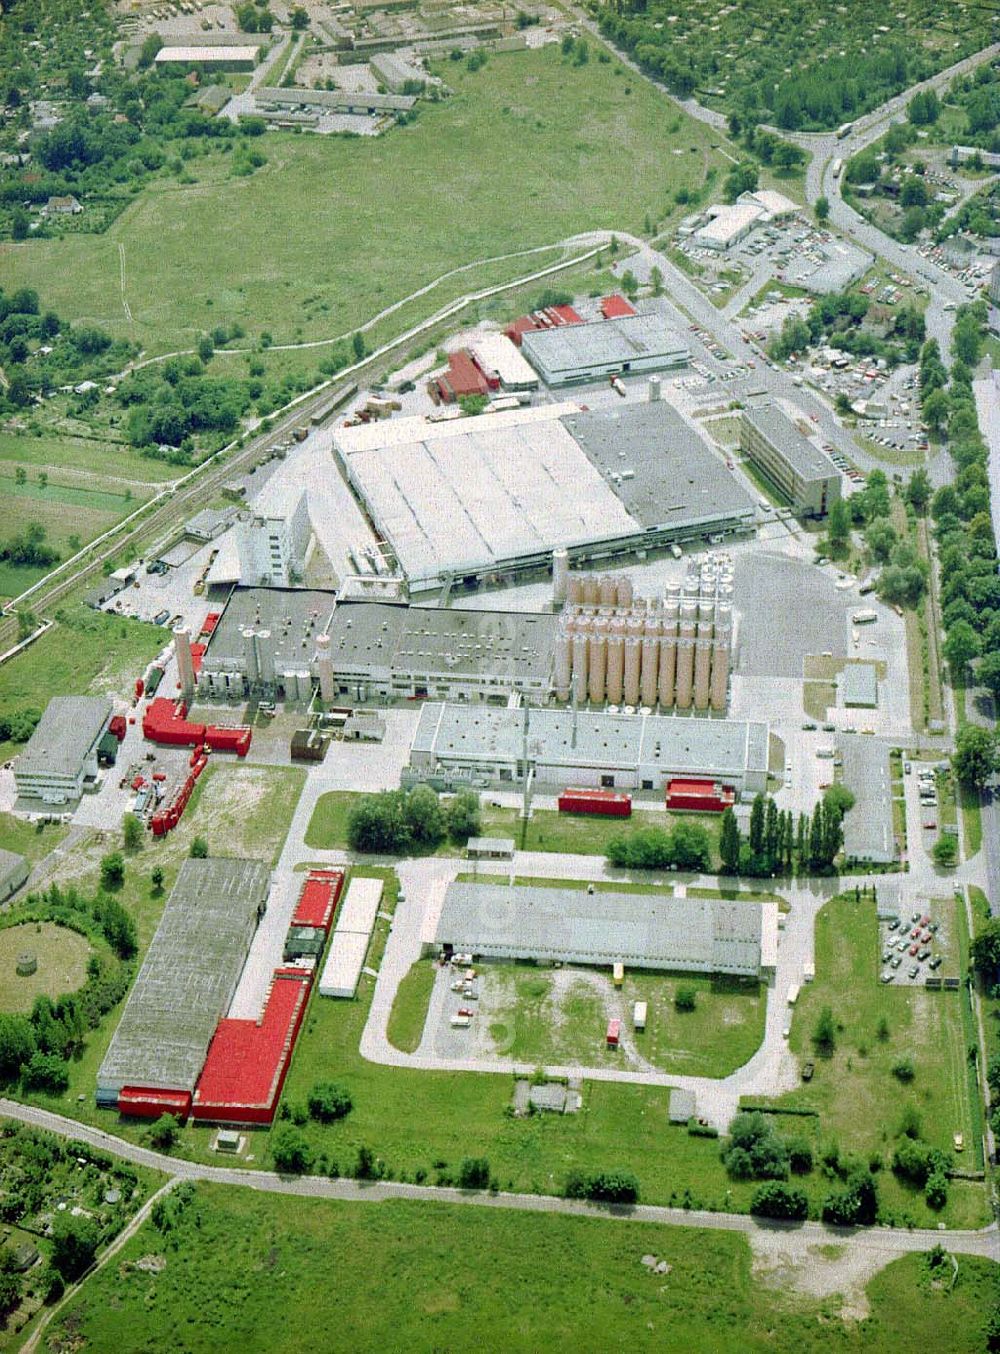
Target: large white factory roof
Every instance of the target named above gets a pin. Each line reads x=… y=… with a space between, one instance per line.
x=652 y=930
x=492 y=735
x=729 y=223
x=206 y=56
x=466 y=495
x=868 y=828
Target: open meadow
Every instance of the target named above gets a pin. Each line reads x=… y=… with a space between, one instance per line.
x=333 y=229
x=257 y=1273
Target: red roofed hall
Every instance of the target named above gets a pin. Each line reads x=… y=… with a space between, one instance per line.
x=615 y=307
x=319 y=898
x=248 y=1059
x=702 y=796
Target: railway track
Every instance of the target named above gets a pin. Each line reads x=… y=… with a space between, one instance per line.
x=176 y=504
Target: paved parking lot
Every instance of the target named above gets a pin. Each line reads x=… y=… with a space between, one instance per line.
x=918 y=933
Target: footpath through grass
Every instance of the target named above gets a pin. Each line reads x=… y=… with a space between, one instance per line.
x=243 y=1271
x=399 y=214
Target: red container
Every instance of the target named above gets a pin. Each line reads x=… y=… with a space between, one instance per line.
x=318 y=899
x=118 y=726
x=606 y=803
x=211 y=621
x=140 y=687
x=614 y=1033
x=700 y=796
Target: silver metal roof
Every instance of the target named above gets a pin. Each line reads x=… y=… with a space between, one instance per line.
x=66 y=732
x=491 y=734
x=859 y=685
x=189 y=975
x=651 y=929
x=868 y=829
x=569 y=348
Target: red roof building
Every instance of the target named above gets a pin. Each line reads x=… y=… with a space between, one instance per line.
x=615 y=307
x=248 y=1059
x=146 y=1102
x=318 y=899
x=462 y=378
x=700 y=796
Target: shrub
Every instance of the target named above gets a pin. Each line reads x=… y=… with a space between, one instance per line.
x=754 y=1150
x=74 y=1244
x=113 y=870
x=857 y=1205
x=903 y=1070
x=329 y=1101
x=290 y=1150
x=686 y=998
x=774 y=1200
x=46 y=1072
x=825 y=1033
x=474 y=1173
x=936 y=1190
x=199 y=849
x=609 y=1187
x=163 y=1133
x=800 y=1156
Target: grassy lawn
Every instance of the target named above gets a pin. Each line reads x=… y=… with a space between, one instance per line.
x=252 y=1272
x=32 y=840
x=546 y=830
x=860 y=1101
x=559 y=1017
x=62 y=963
x=399 y=216
x=86 y=651
x=817 y=698
x=87 y=460
x=409 y=1010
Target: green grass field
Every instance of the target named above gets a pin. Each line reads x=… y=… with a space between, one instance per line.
x=861 y=1103
x=62 y=964
x=86 y=652
x=388 y=214
x=409 y=1008
x=256 y=1273
x=559 y=1018
x=31 y=840
x=87 y=459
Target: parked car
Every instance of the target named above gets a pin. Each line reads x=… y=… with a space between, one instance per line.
x=924 y=954
x=807 y=1071
x=958 y=1141
x=888 y=976
x=897 y=961
x=914 y=970
x=936 y=962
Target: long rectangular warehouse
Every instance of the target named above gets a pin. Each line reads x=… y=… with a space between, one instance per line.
x=360 y=907
x=344 y=962
x=484 y=498
x=572 y=926
x=573 y=353
x=456 y=745
x=187 y=979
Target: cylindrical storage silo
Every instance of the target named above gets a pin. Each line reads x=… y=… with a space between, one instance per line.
x=650 y=662
x=564 y=661
x=574 y=590
x=591 y=590
x=702 y=666
x=633 y=666
x=625 y=592
x=324 y=669
x=616 y=661
x=654 y=389
x=597 y=660
x=580 y=645
x=607 y=590
x=265 y=657
x=720 y=671
x=685 y=667
x=185 y=662
x=667 y=674
x=560 y=576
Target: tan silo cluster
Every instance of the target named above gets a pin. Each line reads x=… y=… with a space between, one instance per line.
x=672 y=651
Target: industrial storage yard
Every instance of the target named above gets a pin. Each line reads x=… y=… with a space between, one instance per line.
x=542 y=774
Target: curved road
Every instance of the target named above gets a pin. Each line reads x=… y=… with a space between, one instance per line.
x=885 y=1243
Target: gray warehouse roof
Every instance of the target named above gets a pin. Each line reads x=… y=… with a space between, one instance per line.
x=334 y=99
x=805 y=459
x=567 y=348
x=868 y=829
x=513 y=644
x=66 y=732
x=859 y=685
x=592 y=738
x=650 y=930
x=659 y=466
x=188 y=977
x=290 y=614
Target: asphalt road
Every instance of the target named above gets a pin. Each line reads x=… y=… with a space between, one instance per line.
x=886 y=1242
